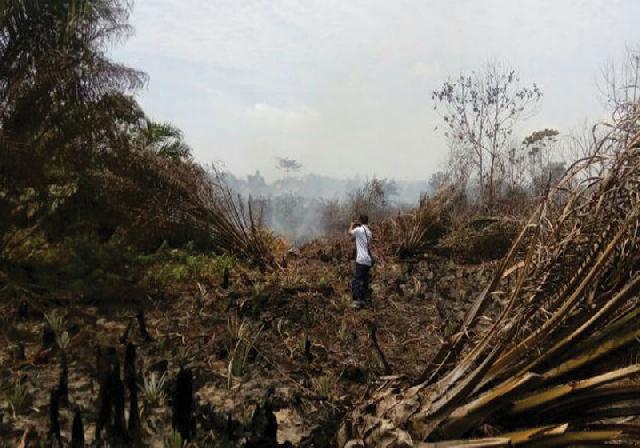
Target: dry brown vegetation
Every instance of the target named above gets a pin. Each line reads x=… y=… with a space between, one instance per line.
x=143 y=304
x=539 y=369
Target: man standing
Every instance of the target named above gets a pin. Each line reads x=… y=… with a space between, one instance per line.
x=361 y=234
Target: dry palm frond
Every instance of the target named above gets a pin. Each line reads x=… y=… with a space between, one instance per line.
x=543 y=374
x=183 y=194
x=420 y=228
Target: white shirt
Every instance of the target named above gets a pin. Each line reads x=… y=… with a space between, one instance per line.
x=362 y=235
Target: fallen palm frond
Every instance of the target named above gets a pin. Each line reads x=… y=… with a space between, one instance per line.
x=545 y=373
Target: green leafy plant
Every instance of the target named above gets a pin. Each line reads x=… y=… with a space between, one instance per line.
x=344 y=335
x=244 y=342
x=20 y=399
x=153 y=391
x=183 y=356
x=173 y=440
x=63 y=340
x=55 y=323
x=324 y=386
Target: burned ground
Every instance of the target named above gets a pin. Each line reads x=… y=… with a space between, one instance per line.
x=291 y=330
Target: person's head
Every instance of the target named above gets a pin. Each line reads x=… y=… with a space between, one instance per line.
x=364 y=219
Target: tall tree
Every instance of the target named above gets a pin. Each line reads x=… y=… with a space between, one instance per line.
x=621 y=89
x=543 y=165
x=288 y=165
x=480 y=111
x=62 y=102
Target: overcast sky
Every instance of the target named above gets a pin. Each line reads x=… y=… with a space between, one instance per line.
x=344 y=86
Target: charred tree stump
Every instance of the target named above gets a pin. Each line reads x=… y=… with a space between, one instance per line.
x=229 y=428
x=143 y=327
x=307 y=348
x=130 y=378
x=183 y=404
x=19 y=354
x=130 y=374
x=134 y=427
x=23 y=310
x=104 y=409
x=225 y=278
x=77 y=431
x=124 y=338
x=48 y=337
x=118 y=431
x=63 y=382
x=99 y=358
x=106 y=357
x=264 y=425
x=54 y=417
x=106 y=365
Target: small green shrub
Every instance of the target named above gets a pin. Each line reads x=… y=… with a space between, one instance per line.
x=55 y=323
x=153 y=391
x=63 y=340
x=20 y=399
x=345 y=336
x=324 y=386
x=243 y=338
x=173 y=440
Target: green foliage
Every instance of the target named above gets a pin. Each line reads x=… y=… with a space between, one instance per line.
x=324 y=386
x=55 y=322
x=89 y=186
x=183 y=356
x=153 y=391
x=241 y=338
x=170 y=266
x=19 y=400
x=173 y=440
x=344 y=334
x=63 y=340
x=63 y=102
x=162 y=138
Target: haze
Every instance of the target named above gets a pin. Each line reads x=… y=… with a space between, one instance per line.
x=344 y=87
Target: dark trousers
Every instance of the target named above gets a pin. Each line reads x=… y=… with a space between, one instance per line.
x=360 y=284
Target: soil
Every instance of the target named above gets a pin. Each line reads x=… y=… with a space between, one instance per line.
x=306 y=348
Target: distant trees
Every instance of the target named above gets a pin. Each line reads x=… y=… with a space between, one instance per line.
x=621 y=90
x=256 y=184
x=288 y=165
x=621 y=86
x=480 y=112
x=543 y=165
x=437 y=180
x=533 y=165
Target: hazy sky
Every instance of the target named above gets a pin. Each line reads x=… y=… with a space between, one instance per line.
x=344 y=86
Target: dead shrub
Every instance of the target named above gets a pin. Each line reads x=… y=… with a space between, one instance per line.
x=482 y=239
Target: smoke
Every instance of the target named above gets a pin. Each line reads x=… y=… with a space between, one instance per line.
x=311 y=206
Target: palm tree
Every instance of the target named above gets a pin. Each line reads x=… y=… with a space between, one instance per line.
x=62 y=101
x=162 y=138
